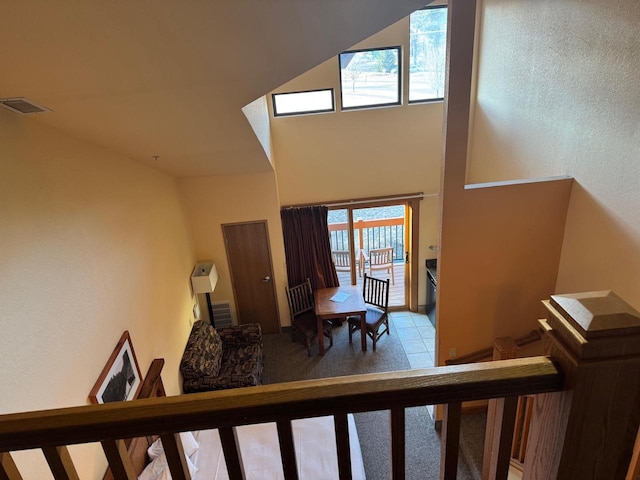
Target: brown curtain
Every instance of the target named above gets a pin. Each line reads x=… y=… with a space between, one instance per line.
x=307 y=247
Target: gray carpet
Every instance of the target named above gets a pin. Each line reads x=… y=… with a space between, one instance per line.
x=288 y=361
x=472 y=430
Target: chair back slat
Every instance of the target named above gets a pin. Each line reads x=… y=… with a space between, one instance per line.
x=342 y=260
x=303 y=318
x=376 y=292
x=381 y=259
x=300 y=298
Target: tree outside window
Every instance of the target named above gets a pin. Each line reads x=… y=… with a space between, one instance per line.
x=370 y=77
x=427 y=52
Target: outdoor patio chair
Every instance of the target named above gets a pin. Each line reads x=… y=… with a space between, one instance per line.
x=381 y=259
x=376 y=296
x=342 y=260
x=303 y=317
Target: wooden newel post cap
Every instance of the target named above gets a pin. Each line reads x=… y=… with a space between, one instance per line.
x=590 y=426
x=594 y=324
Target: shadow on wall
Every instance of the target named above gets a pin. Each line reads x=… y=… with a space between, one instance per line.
x=600 y=251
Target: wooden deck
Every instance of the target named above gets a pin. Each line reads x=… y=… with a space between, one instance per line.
x=396 y=292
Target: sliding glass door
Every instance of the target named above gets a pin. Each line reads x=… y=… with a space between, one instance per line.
x=372 y=240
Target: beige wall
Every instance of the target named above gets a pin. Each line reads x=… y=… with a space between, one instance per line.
x=558 y=94
x=212 y=201
x=500 y=242
x=499 y=257
x=91 y=244
x=363 y=153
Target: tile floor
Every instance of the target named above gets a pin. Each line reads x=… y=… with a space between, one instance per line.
x=417 y=335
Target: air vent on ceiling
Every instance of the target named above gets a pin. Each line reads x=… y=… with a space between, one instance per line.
x=22 y=105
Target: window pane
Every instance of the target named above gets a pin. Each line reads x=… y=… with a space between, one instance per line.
x=339 y=241
x=303 y=102
x=370 y=77
x=427 y=51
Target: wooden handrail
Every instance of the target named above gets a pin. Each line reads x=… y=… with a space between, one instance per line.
x=362 y=224
x=267 y=403
x=585 y=406
x=487 y=353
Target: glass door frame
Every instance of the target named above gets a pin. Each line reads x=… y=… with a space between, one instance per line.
x=411 y=215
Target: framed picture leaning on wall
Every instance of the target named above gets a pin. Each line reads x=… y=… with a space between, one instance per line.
x=120 y=378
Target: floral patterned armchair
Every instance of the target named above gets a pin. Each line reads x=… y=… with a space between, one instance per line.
x=227 y=357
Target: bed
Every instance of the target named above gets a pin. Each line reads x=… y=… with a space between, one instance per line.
x=314 y=440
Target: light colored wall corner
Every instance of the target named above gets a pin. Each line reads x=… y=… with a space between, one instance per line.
x=474 y=78
x=500 y=244
x=569 y=106
x=213 y=201
x=500 y=254
x=92 y=244
x=257 y=113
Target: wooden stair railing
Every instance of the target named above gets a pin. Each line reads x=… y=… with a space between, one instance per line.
x=521 y=431
x=486 y=354
x=589 y=429
x=504 y=348
x=396 y=391
x=501 y=418
x=584 y=418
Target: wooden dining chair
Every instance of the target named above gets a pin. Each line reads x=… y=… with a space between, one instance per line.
x=382 y=259
x=303 y=317
x=376 y=296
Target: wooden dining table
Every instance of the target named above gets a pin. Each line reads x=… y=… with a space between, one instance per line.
x=352 y=305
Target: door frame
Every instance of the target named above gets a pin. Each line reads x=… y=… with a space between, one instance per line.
x=412 y=222
x=233 y=283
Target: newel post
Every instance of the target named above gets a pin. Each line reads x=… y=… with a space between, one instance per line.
x=587 y=431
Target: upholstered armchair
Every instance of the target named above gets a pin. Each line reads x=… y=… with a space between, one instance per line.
x=227 y=357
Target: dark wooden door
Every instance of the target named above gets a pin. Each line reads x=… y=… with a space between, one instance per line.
x=251 y=271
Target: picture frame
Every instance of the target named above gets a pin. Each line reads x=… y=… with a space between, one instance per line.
x=120 y=379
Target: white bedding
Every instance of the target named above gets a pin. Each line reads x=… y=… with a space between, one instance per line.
x=315 y=446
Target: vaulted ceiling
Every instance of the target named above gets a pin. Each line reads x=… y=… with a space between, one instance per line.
x=170 y=77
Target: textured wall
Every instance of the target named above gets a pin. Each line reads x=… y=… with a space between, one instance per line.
x=500 y=243
x=212 y=201
x=91 y=244
x=558 y=94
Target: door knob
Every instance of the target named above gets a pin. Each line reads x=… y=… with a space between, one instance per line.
x=266 y=279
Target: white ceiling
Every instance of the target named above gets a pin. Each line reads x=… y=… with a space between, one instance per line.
x=169 y=77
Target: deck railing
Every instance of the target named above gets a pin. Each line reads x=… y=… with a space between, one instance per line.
x=369 y=234
x=584 y=426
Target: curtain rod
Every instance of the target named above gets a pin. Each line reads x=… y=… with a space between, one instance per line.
x=341 y=203
x=385 y=199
